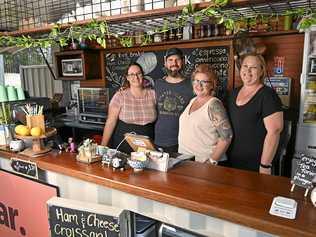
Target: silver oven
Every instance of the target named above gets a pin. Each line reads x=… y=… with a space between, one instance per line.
x=93 y=104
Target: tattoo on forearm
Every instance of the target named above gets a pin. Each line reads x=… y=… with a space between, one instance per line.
x=220 y=119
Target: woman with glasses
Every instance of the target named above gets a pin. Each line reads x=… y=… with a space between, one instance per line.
x=204 y=129
x=256 y=117
x=132 y=109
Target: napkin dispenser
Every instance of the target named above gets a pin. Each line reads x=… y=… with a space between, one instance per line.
x=163 y=162
x=158 y=161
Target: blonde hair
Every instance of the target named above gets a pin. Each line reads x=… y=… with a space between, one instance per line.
x=208 y=70
x=262 y=64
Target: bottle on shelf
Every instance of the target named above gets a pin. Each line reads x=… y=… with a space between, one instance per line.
x=165 y=36
x=179 y=33
x=187 y=32
x=172 y=34
x=197 y=31
x=215 y=30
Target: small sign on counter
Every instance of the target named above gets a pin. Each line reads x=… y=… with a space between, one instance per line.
x=24 y=167
x=305 y=173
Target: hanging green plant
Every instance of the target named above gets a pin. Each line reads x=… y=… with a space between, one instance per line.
x=99 y=31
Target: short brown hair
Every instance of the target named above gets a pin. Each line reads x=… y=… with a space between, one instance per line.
x=208 y=70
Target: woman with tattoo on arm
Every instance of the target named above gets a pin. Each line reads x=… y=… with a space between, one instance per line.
x=256 y=117
x=204 y=129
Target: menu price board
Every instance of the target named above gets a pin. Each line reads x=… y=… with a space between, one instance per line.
x=305 y=172
x=152 y=63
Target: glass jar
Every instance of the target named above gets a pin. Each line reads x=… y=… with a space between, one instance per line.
x=157 y=37
x=139 y=37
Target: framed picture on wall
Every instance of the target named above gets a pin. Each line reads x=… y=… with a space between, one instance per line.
x=74 y=86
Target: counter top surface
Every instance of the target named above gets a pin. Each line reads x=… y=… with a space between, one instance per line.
x=73 y=121
x=234 y=195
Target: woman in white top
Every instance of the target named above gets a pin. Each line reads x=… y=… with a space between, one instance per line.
x=204 y=129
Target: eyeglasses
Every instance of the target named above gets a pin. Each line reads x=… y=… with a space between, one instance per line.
x=139 y=74
x=247 y=67
x=200 y=82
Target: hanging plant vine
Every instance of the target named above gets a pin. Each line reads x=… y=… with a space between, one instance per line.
x=99 y=31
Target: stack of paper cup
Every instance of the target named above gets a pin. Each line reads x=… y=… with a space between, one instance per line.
x=20 y=92
x=3 y=94
x=12 y=96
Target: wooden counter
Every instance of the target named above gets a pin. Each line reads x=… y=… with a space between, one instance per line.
x=237 y=196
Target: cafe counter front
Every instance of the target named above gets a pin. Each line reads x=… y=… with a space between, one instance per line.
x=205 y=199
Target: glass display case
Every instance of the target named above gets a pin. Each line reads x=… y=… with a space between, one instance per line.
x=306 y=129
x=308 y=79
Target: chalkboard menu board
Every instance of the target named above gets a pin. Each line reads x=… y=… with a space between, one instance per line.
x=23 y=167
x=152 y=63
x=305 y=172
x=73 y=218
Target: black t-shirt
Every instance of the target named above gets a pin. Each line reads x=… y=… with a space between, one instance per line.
x=248 y=127
x=172 y=99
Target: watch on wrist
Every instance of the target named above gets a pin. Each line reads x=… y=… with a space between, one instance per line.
x=269 y=166
x=213 y=162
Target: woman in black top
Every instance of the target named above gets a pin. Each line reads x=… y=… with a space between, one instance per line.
x=256 y=118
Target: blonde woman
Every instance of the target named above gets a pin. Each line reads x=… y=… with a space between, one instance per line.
x=204 y=129
x=257 y=119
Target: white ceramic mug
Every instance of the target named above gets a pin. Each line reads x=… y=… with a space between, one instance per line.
x=16 y=145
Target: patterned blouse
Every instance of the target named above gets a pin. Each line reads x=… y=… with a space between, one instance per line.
x=135 y=110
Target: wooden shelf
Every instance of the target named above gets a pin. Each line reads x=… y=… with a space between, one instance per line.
x=214 y=38
x=91 y=64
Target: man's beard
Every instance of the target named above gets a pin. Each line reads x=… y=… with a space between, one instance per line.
x=173 y=73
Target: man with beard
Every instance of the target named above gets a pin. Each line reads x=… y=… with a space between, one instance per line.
x=173 y=93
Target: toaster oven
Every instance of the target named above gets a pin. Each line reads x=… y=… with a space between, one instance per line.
x=93 y=104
